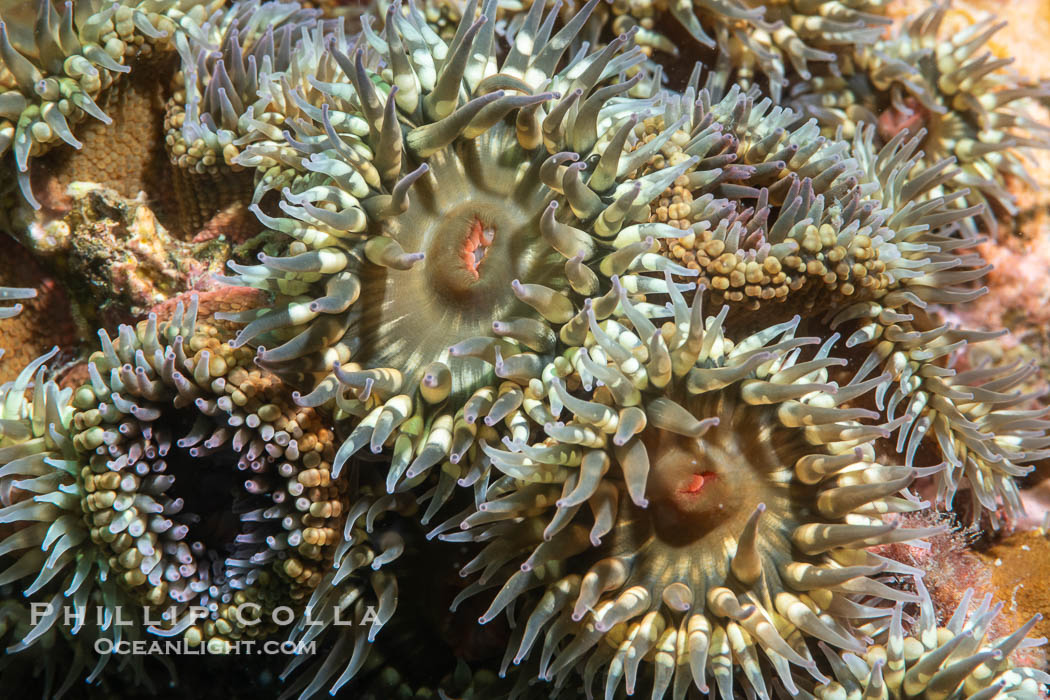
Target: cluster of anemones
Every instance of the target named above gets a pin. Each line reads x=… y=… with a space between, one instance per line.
x=411 y=234
x=489 y=251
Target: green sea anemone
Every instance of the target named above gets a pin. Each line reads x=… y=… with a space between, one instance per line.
x=231 y=67
x=702 y=510
x=982 y=423
x=949 y=90
x=953 y=660
x=443 y=203
x=229 y=91
x=774 y=213
x=205 y=485
x=47 y=551
x=178 y=475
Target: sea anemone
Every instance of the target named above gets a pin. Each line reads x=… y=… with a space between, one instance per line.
x=960 y=101
x=775 y=213
x=47 y=552
x=953 y=660
x=204 y=484
x=57 y=64
x=414 y=304
x=136 y=491
x=983 y=424
x=705 y=508
x=760 y=39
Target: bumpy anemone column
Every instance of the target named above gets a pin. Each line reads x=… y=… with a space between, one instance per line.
x=228 y=93
x=704 y=507
x=203 y=484
x=442 y=209
x=775 y=213
x=947 y=88
x=953 y=660
x=761 y=39
x=56 y=64
x=359 y=592
x=47 y=553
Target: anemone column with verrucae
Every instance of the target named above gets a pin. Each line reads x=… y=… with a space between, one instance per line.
x=701 y=512
x=444 y=204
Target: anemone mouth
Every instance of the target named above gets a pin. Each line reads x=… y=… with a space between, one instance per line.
x=702 y=490
x=475 y=218
x=465 y=256
x=908 y=115
x=204 y=484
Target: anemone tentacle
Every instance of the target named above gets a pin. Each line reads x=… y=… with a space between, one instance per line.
x=705 y=507
x=16 y=293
